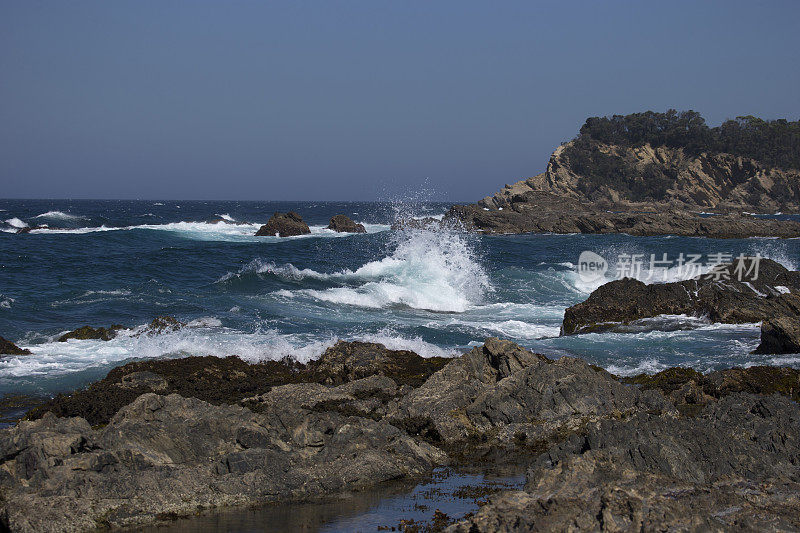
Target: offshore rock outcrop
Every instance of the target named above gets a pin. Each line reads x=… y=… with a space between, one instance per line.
x=721 y=296
x=344 y=224
x=284 y=225
x=780 y=335
x=9 y=348
x=90 y=333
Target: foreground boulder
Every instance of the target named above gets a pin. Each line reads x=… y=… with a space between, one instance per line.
x=284 y=225
x=344 y=224
x=9 y=348
x=170 y=455
x=500 y=395
x=733 y=467
x=721 y=297
x=90 y=333
x=780 y=335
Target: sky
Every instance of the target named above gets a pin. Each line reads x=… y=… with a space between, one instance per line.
x=357 y=100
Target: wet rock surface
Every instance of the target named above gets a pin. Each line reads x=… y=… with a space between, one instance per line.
x=780 y=335
x=677 y=450
x=9 y=348
x=284 y=225
x=344 y=224
x=720 y=295
x=90 y=333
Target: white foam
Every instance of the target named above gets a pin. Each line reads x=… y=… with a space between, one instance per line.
x=16 y=223
x=59 y=215
x=207 y=231
x=6 y=301
x=428 y=269
x=227 y=217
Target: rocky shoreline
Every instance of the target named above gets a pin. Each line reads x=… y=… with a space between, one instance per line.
x=164 y=438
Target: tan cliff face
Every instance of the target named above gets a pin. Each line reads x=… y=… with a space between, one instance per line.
x=717 y=182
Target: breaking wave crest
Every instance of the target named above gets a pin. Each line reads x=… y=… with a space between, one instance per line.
x=433 y=270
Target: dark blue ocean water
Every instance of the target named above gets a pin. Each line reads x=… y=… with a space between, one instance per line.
x=438 y=293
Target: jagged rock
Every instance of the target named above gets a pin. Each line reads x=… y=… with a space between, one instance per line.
x=163 y=324
x=344 y=224
x=780 y=335
x=284 y=225
x=734 y=466
x=9 y=348
x=90 y=333
x=774 y=292
x=348 y=361
x=500 y=394
x=164 y=455
x=230 y=380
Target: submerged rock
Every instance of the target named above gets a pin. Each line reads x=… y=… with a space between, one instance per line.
x=720 y=296
x=344 y=224
x=780 y=335
x=9 y=348
x=284 y=225
x=90 y=333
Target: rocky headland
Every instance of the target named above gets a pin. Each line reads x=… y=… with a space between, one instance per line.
x=654 y=174
x=165 y=438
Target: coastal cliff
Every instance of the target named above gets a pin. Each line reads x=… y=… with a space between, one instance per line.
x=656 y=174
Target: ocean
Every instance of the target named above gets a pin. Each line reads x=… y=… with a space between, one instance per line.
x=437 y=293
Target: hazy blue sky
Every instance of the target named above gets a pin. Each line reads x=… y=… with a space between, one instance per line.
x=357 y=100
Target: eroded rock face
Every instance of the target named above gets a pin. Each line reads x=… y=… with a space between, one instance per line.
x=733 y=466
x=775 y=292
x=500 y=395
x=284 y=225
x=169 y=454
x=344 y=224
x=780 y=335
x=9 y=348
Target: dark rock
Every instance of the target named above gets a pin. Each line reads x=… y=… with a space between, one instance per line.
x=543 y=212
x=284 y=225
x=230 y=380
x=90 y=333
x=347 y=361
x=733 y=467
x=344 y=224
x=496 y=393
x=9 y=348
x=780 y=335
x=690 y=390
x=170 y=455
x=720 y=296
x=163 y=324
